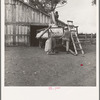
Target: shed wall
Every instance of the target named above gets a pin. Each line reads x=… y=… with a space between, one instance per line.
x=18 y=19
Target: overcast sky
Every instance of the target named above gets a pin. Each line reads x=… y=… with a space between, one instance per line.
x=81 y=12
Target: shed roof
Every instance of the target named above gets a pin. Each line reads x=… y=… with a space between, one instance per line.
x=27 y=4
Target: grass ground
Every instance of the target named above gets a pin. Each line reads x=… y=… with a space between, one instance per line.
x=30 y=66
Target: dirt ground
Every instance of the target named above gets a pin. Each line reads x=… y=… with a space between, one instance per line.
x=31 y=66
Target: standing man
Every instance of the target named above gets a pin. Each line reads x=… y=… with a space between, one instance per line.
x=56 y=17
x=66 y=38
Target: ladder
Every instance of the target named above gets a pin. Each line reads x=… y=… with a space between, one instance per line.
x=76 y=42
x=74 y=37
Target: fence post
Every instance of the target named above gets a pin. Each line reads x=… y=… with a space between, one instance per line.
x=91 y=37
x=85 y=37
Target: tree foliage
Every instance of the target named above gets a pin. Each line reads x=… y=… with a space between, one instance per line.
x=47 y=5
x=93 y=2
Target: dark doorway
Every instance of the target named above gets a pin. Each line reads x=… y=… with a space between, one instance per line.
x=33 y=40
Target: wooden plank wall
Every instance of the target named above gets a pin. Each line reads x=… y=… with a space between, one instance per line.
x=18 y=18
x=17 y=11
x=19 y=36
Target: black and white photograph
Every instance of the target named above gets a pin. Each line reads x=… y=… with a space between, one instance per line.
x=49 y=49
x=50 y=43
